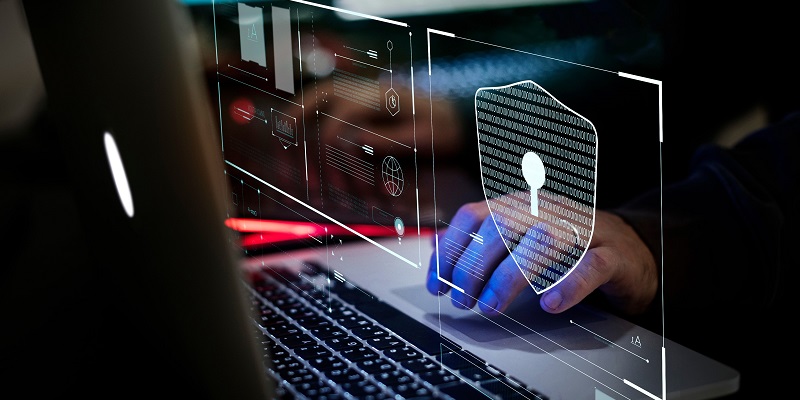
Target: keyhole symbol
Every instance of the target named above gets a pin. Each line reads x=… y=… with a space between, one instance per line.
x=534 y=174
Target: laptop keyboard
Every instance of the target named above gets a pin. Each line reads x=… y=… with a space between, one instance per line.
x=341 y=342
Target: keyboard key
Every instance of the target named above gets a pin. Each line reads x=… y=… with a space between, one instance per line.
x=341 y=343
x=438 y=377
x=314 y=321
x=359 y=353
x=413 y=391
x=275 y=363
x=393 y=377
x=280 y=330
x=384 y=365
x=361 y=389
x=311 y=351
x=385 y=342
x=299 y=375
x=352 y=321
x=402 y=353
x=477 y=374
x=276 y=295
x=300 y=340
x=278 y=352
x=271 y=318
x=420 y=364
x=265 y=340
x=417 y=333
x=330 y=306
x=290 y=363
x=286 y=302
x=369 y=331
x=299 y=312
x=327 y=332
x=463 y=391
x=344 y=375
x=314 y=389
x=373 y=366
x=327 y=363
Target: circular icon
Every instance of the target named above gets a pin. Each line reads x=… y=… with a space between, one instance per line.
x=399 y=226
x=392 y=176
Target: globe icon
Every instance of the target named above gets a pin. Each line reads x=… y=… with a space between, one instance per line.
x=392 y=176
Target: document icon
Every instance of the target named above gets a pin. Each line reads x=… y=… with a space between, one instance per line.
x=251 y=34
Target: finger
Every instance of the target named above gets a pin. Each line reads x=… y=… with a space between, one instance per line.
x=477 y=263
x=587 y=276
x=514 y=272
x=450 y=245
x=505 y=284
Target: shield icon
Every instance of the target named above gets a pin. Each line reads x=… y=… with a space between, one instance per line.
x=538 y=161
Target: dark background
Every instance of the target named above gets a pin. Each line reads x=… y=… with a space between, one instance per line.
x=727 y=68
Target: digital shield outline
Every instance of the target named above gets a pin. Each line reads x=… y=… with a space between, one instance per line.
x=527 y=137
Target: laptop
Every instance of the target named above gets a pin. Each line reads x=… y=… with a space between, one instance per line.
x=334 y=120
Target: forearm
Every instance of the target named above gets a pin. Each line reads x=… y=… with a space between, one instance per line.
x=726 y=227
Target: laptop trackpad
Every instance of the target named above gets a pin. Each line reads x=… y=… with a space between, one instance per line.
x=524 y=318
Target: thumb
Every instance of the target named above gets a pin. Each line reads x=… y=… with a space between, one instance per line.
x=579 y=283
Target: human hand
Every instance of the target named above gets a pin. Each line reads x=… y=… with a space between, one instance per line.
x=617 y=262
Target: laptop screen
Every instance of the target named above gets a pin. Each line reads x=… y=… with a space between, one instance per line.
x=356 y=121
x=334 y=124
